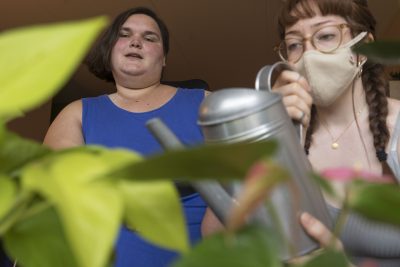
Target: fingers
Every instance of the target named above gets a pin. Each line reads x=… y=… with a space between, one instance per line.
x=296 y=95
x=287 y=77
x=319 y=231
x=298 y=108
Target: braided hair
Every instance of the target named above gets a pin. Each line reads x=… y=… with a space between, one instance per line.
x=374 y=80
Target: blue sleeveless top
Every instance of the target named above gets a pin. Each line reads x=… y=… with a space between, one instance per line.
x=104 y=123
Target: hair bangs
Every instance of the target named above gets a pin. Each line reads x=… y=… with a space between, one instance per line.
x=302 y=9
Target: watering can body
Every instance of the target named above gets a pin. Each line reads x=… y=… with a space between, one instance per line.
x=249 y=115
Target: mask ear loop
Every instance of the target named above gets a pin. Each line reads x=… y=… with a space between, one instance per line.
x=360 y=64
x=358 y=124
x=360 y=59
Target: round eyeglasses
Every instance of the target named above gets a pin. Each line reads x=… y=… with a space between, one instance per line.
x=326 y=40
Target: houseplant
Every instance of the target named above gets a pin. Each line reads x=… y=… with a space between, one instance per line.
x=64 y=208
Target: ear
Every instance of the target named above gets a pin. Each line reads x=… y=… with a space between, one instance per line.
x=369 y=38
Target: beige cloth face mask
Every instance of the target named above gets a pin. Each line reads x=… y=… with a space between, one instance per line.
x=329 y=75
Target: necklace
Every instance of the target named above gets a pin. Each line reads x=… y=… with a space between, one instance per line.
x=335 y=141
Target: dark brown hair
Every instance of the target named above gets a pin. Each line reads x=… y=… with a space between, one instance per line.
x=98 y=60
x=375 y=84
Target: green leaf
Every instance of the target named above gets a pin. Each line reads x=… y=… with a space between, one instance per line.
x=253 y=246
x=16 y=151
x=148 y=204
x=7 y=194
x=386 y=52
x=376 y=201
x=90 y=208
x=39 y=60
x=39 y=242
x=328 y=258
x=207 y=161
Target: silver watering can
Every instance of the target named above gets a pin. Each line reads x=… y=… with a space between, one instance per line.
x=248 y=115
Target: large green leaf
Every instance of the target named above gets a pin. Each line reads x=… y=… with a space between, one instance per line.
x=386 y=52
x=36 y=61
x=224 y=161
x=39 y=241
x=90 y=208
x=252 y=246
x=16 y=151
x=328 y=258
x=376 y=201
x=153 y=209
x=7 y=193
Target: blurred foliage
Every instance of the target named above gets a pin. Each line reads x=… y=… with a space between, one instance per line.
x=64 y=208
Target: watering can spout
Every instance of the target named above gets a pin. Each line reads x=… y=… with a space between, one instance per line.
x=250 y=115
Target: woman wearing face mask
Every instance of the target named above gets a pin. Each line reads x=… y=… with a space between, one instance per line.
x=341 y=99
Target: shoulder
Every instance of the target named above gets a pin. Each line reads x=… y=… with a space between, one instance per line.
x=65 y=130
x=72 y=109
x=394 y=111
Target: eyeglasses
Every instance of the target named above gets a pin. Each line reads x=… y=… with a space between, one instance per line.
x=326 y=40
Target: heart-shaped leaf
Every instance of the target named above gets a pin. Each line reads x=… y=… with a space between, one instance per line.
x=7 y=193
x=90 y=208
x=386 y=52
x=252 y=246
x=36 y=61
x=39 y=241
x=328 y=258
x=223 y=161
x=153 y=209
x=376 y=201
x=16 y=151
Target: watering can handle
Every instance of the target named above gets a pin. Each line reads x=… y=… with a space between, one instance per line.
x=267 y=76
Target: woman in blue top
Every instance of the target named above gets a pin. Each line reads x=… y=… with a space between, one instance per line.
x=132 y=53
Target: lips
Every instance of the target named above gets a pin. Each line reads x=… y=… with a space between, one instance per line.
x=134 y=55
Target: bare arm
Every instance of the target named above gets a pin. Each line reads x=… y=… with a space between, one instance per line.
x=210 y=224
x=66 y=129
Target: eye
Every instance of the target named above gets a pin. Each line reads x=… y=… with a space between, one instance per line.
x=326 y=37
x=123 y=34
x=151 y=38
x=293 y=45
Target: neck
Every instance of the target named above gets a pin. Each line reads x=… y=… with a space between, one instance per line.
x=135 y=93
x=143 y=99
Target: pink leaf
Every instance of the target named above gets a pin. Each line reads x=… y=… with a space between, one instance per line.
x=346 y=174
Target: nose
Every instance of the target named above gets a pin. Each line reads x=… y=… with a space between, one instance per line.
x=308 y=45
x=135 y=42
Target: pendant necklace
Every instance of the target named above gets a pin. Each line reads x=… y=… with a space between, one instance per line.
x=335 y=141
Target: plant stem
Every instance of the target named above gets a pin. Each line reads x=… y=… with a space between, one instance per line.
x=342 y=217
x=35 y=209
x=16 y=211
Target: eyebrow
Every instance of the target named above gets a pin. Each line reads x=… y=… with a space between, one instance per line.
x=296 y=32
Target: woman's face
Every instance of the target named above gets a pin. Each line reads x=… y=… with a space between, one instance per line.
x=138 y=49
x=319 y=29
